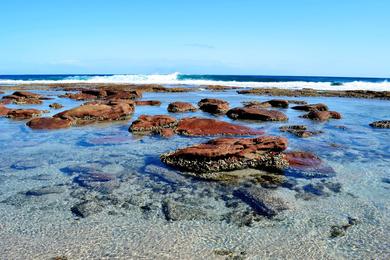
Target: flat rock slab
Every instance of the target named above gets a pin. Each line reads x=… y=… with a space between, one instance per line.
x=49 y=123
x=227 y=154
x=181 y=107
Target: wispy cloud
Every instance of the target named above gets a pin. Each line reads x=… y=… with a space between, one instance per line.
x=199 y=46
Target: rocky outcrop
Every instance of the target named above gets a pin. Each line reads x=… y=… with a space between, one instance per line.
x=213 y=106
x=195 y=126
x=226 y=154
x=152 y=124
x=24 y=97
x=147 y=102
x=376 y=124
x=95 y=112
x=312 y=107
x=94 y=94
x=4 y=110
x=56 y=106
x=254 y=113
x=322 y=115
x=49 y=123
x=23 y=113
x=180 y=107
x=299 y=130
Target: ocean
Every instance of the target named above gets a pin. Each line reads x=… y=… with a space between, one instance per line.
x=290 y=82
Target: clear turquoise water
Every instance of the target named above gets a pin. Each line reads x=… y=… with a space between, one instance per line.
x=131 y=223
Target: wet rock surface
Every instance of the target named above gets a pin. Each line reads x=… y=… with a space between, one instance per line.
x=224 y=154
x=23 y=113
x=195 y=126
x=174 y=211
x=254 y=113
x=381 y=124
x=180 y=107
x=95 y=112
x=213 y=106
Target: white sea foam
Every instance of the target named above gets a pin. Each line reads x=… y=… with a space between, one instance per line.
x=173 y=79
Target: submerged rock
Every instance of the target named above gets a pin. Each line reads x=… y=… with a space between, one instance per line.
x=86 y=208
x=147 y=102
x=306 y=165
x=226 y=154
x=261 y=200
x=195 y=126
x=312 y=107
x=180 y=107
x=381 y=124
x=213 y=106
x=49 y=123
x=45 y=191
x=299 y=130
x=254 y=113
x=322 y=115
x=98 y=181
x=174 y=211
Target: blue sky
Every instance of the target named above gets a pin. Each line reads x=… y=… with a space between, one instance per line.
x=336 y=38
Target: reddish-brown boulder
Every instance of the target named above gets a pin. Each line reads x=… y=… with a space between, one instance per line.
x=3 y=110
x=26 y=94
x=254 y=113
x=147 y=102
x=56 y=106
x=180 y=107
x=153 y=124
x=79 y=96
x=23 y=113
x=94 y=112
x=298 y=159
x=195 y=126
x=312 y=107
x=123 y=94
x=322 y=115
x=225 y=154
x=213 y=106
x=49 y=123
x=278 y=103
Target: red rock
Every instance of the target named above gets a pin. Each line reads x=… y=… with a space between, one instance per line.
x=207 y=127
x=79 y=96
x=23 y=97
x=90 y=113
x=49 y=123
x=148 y=102
x=146 y=123
x=98 y=93
x=312 y=107
x=176 y=107
x=213 y=106
x=300 y=159
x=254 y=113
x=122 y=94
x=322 y=115
x=3 y=110
x=167 y=132
x=23 y=113
x=56 y=105
x=230 y=154
x=25 y=94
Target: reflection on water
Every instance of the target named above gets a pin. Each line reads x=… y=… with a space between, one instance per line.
x=98 y=191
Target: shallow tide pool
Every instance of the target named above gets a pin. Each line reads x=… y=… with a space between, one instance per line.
x=42 y=179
